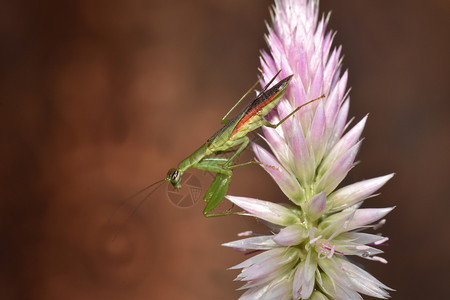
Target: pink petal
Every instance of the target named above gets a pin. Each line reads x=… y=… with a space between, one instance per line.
x=345 y=143
x=334 y=133
x=334 y=100
x=366 y=216
x=291 y=235
x=303 y=284
x=260 y=258
x=337 y=172
x=315 y=206
x=317 y=132
x=356 y=192
x=266 y=210
x=264 y=242
x=286 y=181
x=303 y=163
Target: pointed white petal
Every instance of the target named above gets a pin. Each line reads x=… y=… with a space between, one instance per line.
x=350 y=248
x=271 y=268
x=345 y=143
x=352 y=278
x=338 y=170
x=285 y=180
x=303 y=163
x=260 y=258
x=363 y=238
x=356 y=192
x=291 y=235
x=304 y=278
x=264 y=242
x=254 y=293
x=315 y=206
x=327 y=284
x=335 y=132
x=317 y=132
x=334 y=100
x=347 y=293
x=336 y=223
x=318 y=296
x=366 y=216
x=316 y=88
x=280 y=290
x=332 y=65
x=265 y=210
x=277 y=143
x=363 y=282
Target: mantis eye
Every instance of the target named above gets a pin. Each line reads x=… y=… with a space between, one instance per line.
x=174 y=176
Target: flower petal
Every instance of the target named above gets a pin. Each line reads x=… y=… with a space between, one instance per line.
x=363 y=238
x=318 y=296
x=344 y=144
x=303 y=163
x=356 y=192
x=366 y=216
x=335 y=132
x=336 y=223
x=271 y=268
x=304 y=278
x=291 y=235
x=265 y=210
x=350 y=276
x=327 y=284
x=334 y=100
x=362 y=281
x=315 y=206
x=338 y=170
x=286 y=181
x=317 y=132
x=260 y=258
x=257 y=243
x=280 y=290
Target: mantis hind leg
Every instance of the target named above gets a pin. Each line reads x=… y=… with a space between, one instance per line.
x=268 y=124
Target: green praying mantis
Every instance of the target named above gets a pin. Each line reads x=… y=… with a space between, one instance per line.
x=232 y=137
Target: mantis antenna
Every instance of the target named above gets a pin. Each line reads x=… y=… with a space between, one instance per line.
x=160 y=182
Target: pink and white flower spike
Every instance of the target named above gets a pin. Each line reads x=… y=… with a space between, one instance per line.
x=308 y=256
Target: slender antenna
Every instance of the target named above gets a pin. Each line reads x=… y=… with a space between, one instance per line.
x=125 y=201
x=161 y=182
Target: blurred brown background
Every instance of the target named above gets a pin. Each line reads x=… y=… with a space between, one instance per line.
x=100 y=98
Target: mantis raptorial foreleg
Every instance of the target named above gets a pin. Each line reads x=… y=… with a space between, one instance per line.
x=215 y=194
x=213 y=164
x=219 y=187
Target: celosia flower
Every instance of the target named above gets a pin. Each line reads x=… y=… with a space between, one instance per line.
x=308 y=254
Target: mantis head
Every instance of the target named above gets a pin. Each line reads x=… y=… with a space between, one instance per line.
x=174 y=176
